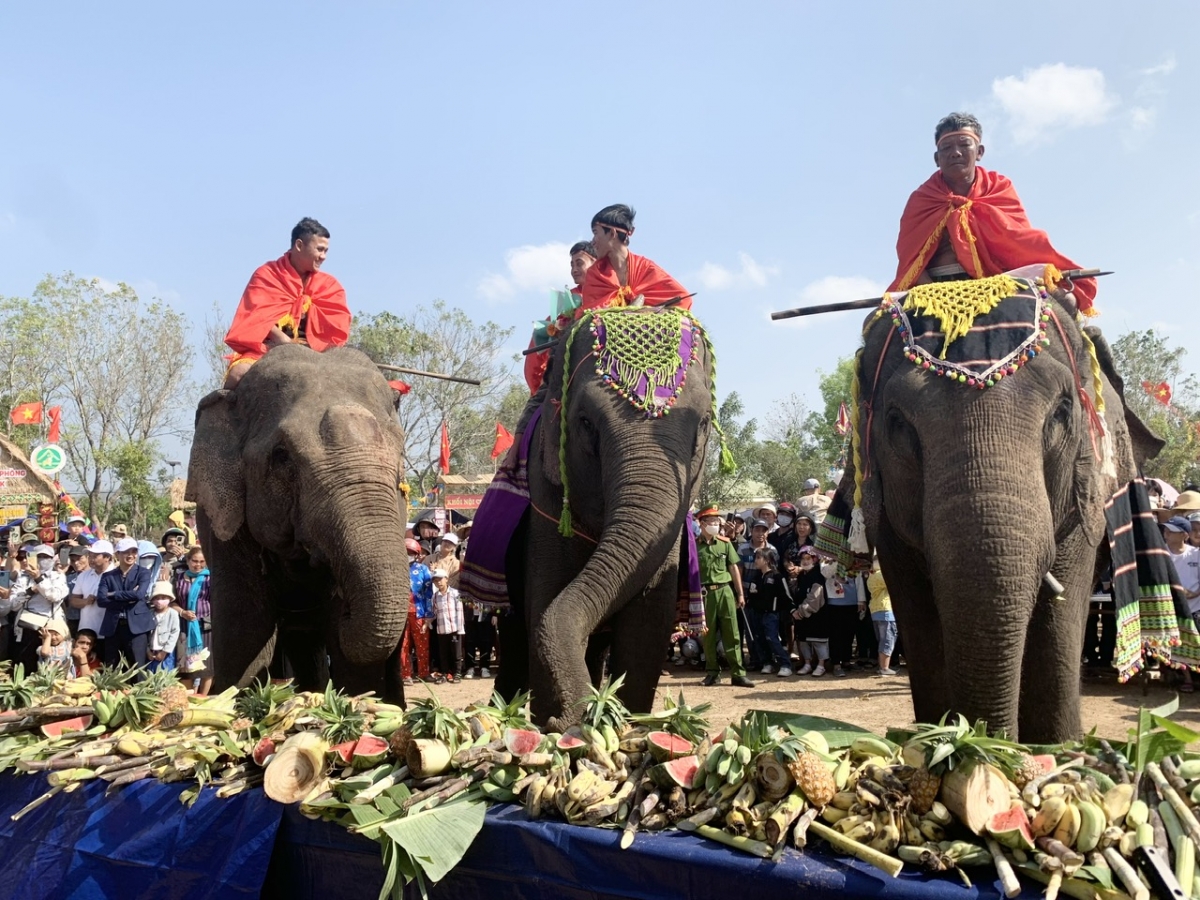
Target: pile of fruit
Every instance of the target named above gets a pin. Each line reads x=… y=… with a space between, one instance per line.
x=941 y=798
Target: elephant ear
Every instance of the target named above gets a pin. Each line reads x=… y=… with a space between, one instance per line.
x=215 y=478
x=1145 y=444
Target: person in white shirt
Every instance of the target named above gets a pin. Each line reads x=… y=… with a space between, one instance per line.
x=165 y=635
x=1186 y=559
x=87 y=585
x=39 y=589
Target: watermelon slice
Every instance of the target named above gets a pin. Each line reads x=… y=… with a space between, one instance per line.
x=1012 y=828
x=56 y=729
x=664 y=746
x=263 y=751
x=676 y=773
x=369 y=751
x=519 y=741
x=344 y=752
x=572 y=741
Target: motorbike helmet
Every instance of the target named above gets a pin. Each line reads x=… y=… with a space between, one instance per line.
x=412 y=546
x=690 y=649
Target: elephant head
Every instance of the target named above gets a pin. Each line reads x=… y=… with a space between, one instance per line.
x=972 y=493
x=296 y=474
x=624 y=475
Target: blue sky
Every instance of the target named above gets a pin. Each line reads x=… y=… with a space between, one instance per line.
x=455 y=149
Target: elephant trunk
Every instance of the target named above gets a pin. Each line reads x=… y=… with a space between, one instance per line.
x=987 y=554
x=641 y=527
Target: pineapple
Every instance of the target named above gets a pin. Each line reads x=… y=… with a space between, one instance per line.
x=924 y=788
x=678 y=718
x=45 y=679
x=428 y=719
x=114 y=678
x=1026 y=770
x=16 y=690
x=813 y=778
x=344 y=722
x=258 y=701
x=936 y=749
x=169 y=690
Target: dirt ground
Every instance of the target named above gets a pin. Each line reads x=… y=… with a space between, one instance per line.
x=864 y=699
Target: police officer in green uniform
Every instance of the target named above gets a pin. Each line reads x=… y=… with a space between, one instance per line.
x=722 y=580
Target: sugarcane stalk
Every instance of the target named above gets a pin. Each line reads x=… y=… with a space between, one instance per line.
x=433 y=781
x=1052 y=886
x=126 y=763
x=470 y=754
x=635 y=807
x=1171 y=773
x=701 y=818
x=639 y=812
x=1060 y=851
x=367 y=795
x=781 y=819
x=1159 y=827
x=1115 y=762
x=746 y=845
x=46 y=712
x=535 y=760
x=800 y=831
x=839 y=841
x=66 y=762
x=129 y=777
x=1127 y=873
x=438 y=795
x=1174 y=829
x=1186 y=817
x=1072 y=887
x=1185 y=861
x=1004 y=869
x=35 y=803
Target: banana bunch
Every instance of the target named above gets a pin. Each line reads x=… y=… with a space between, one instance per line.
x=387 y=722
x=728 y=762
x=1078 y=816
x=740 y=818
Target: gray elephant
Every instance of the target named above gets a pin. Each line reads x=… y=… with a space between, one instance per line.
x=972 y=492
x=630 y=478
x=295 y=474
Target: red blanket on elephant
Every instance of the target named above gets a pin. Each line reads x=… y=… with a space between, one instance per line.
x=276 y=295
x=988 y=229
x=602 y=287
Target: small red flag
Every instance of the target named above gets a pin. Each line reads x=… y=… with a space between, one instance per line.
x=399 y=386
x=27 y=414
x=55 y=424
x=843 y=420
x=444 y=457
x=1160 y=392
x=504 y=440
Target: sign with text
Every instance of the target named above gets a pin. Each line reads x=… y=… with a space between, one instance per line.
x=463 y=501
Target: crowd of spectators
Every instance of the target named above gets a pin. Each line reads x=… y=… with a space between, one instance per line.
x=87 y=601
x=799 y=616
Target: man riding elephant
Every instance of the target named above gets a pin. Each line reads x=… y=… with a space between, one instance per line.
x=968 y=222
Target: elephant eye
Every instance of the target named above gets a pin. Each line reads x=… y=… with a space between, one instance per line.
x=902 y=436
x=280 y=456
x=1058 y=424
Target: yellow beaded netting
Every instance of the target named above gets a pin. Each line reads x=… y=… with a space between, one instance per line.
x=957 y=304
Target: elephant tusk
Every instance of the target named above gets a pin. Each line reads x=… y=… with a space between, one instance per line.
x=1054 y=585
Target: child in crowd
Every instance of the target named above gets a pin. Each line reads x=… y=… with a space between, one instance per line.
x=882 y=619
x=84 y=655
x=56 y=646
x=767 y=601
x=165 y=635
x=812 y=615
x=414 y=645
x=448 y=613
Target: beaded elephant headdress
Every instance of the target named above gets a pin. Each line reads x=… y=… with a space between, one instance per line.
x=643 y=354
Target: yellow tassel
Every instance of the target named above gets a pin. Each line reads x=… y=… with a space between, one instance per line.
x=855 y=437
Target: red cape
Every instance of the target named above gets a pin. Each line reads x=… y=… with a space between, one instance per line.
x=276 y=293
x=989 y=232
x=601 y=287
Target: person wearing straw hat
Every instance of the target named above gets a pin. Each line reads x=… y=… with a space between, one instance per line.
x=721 y=580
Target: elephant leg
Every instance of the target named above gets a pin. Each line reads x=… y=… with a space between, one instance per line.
x=917 y=619
x=1049 y=710
x=641 y=634
x=244 y=612
x=512 y=633
x=598 y=646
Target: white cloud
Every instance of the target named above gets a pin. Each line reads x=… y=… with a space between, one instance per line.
x=1052 y=98
x=528 y=268
x=836 y=289
x=1166 y=67
x=109 y=287
x=1142 y=117
x=752 y=274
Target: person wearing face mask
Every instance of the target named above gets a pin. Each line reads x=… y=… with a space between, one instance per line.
x=39 y=589
x=721 y=578
x=165 y=634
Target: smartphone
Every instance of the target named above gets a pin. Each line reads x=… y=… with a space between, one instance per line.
x=64 y=556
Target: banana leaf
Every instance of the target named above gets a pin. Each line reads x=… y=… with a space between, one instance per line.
x=839 y=734
x=437 y=839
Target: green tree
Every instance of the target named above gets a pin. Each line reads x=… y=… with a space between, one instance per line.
x=1147 y=358
x=142 y=497
x=117 y=365
x=726 y=489
x=436 y=338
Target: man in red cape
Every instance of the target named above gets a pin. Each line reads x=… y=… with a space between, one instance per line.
x=583 y=254
x=289 y=300
x=620 y=277
x=968 y=222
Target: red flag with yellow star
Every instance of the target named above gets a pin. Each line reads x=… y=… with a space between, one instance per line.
x=27 y=414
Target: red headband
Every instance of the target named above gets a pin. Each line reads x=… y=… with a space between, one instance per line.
x=615 y=228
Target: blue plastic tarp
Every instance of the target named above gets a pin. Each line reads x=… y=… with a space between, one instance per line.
x=137 y=843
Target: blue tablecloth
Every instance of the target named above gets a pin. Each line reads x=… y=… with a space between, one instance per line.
x=140 y=842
